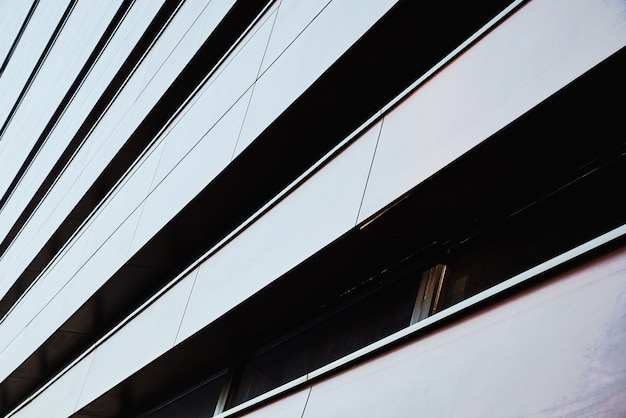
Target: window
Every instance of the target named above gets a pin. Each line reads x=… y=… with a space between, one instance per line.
x=337 y=333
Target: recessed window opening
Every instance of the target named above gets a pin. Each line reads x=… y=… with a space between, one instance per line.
x=454 y=236
x=410 y=291
x=346 y=330
x=546 y=229
x=199 y=402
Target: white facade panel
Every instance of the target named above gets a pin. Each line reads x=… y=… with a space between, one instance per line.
x=144 y=338
x=196 y=169
x=335 y=29
x=99 y=267
x=59 y=400
x=293 y=18
x=23 y=335
x=52 y=82
x=52 y=301
x=508 y=72
x=304 y=309
x=12 y=18
x=291 y=406
x=122 y=203
x=168 y=57
x=224 y=92
x=538 y=355
x=93 y=86
x=174 y=48
x=318 y=211
x=25 y=57
x=211 y=17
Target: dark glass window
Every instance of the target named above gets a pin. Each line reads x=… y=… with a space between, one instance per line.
x=365 y=321
x=199 y=402
x=550 y=227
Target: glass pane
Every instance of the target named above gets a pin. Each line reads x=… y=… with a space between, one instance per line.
x=354 y=326
x=199 y=402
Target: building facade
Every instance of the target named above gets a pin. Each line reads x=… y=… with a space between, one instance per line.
x=312 y=208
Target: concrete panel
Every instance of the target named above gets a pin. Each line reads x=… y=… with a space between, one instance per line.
x=507 y=73
x=318 y=211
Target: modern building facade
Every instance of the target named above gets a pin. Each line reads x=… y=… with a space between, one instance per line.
x=312 y=208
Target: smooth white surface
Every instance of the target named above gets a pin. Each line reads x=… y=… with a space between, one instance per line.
x=55 y=207
x=56 y=75
x=293 y=17
x=26 y=55
x=27 y=333
x=101 y=266
x=553 y=351
x=500 y=353
x=291 y=406
x=223 y=89
x=176 y=46
x=59 y=400
x=211 y=17
x=43 y=310
x=332 y=32
x=100 y=150
x=508 y=72
x=125 y=200
x=95 y=83
x=190 y=176
x=139 y=342
x=12 y=16
x=318 y=211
